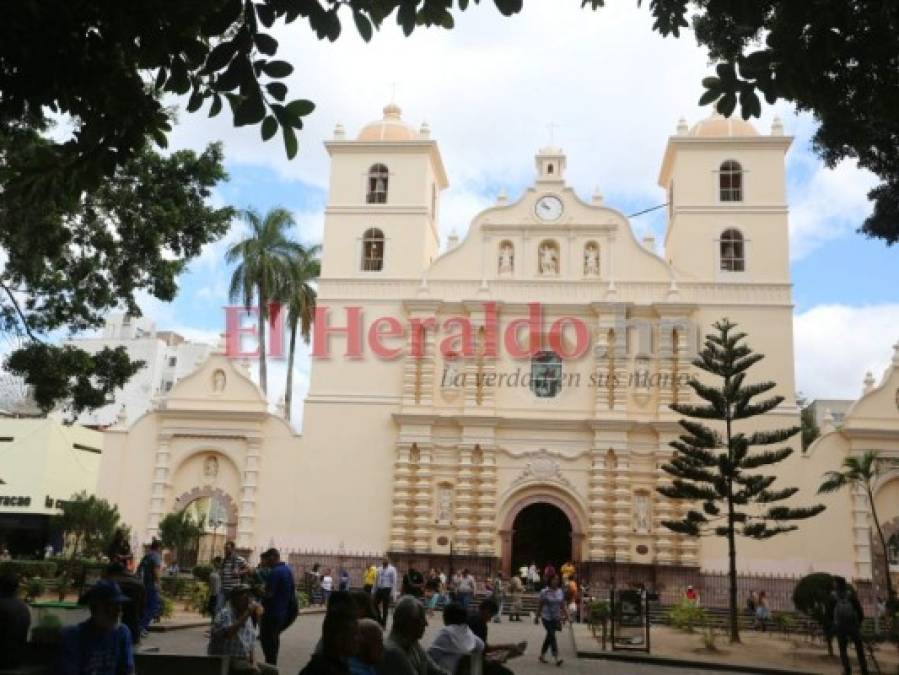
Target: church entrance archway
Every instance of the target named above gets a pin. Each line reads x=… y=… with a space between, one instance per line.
x=541 y=533
x=540 y=527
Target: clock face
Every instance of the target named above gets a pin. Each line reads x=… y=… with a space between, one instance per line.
x=549 y=208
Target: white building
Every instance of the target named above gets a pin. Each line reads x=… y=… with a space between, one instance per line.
x=167 y=358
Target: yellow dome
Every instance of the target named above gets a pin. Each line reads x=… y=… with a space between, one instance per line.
x=719 y=126
x=390 y=128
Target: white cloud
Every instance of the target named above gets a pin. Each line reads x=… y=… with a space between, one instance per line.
x=837 y=344
x=831 y=204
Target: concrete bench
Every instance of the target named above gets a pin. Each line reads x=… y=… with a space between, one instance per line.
x=179 y=664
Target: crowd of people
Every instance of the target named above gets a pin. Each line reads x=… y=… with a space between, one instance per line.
x=249 y=604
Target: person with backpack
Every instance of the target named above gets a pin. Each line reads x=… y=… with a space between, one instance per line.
x=149 y=572
x=847 y=615
x=280 y=605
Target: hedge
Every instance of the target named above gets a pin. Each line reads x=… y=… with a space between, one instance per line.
x=26 y=569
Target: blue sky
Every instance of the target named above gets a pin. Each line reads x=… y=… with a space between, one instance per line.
x=488 y=89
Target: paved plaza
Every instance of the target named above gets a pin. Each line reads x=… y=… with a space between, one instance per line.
x=297 y=643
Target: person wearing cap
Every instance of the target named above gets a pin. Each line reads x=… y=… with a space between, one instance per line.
x=101 y=645
x=280 y=590
x=232 y=633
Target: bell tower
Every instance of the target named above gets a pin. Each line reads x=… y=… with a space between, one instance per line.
x=727 y=202
x=381 y=220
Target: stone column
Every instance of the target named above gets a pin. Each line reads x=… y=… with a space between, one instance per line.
x=160 y=486
x=246 y=517
x=402 y=486
x=487 y=503
x=622 y=517
x=424 y=498
x=600 y=494
x=464 y=500
x=664 y=538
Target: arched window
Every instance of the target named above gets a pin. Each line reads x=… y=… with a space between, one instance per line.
x=546 y=374
x=733 y=251
x=372 y=250
x=730 y=181
x=377 y=185
x=549 y=169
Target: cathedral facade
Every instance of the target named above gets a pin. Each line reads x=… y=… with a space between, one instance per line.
x=507 y=399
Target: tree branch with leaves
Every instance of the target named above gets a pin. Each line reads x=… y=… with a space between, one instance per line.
x=713 y=468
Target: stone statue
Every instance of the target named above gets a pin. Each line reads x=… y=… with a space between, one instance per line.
x=549 y=260
x=641 y=512
x=591 y=261
x=452 y=378
x=506 y=259
x=211 y=467
x=218 y=381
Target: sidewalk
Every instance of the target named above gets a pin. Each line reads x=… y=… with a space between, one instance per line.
x=758 y=652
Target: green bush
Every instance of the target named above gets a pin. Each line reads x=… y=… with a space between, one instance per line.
x=177 y=587
x=202 y=572
x=167 y=606
x=25 y=569
x=35 y=588
x=198 y=599
x=686 y=616
x=599 y=612
x=812 y=597
x=784 y=622
x=302 y=599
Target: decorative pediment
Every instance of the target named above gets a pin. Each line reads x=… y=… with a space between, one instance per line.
x=543 y=468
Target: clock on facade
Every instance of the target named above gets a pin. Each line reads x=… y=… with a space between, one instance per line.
x=549 y=208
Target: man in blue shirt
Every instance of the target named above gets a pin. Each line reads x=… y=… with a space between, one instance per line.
x=101 y=645
x=279 y=604
x=150 y=572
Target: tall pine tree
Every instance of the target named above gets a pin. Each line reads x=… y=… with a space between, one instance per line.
x=713 y=467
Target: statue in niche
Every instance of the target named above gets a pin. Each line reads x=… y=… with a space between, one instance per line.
x=211 y=467
x=506 y=258
x=445 y=504
x=642 y=375
x=591 y=261
x=549 y=259
x=218 y=381
x=641 y=512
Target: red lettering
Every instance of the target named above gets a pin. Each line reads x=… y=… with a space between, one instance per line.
x=322 y=331
x=234 y=331
x=581 y=335
x=275 y=330
x=419 y=333
x=457 y=344
x=534 y=324
x=393 y=329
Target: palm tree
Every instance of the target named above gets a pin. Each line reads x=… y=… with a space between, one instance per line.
x=299 y=295
x=861 y=471
x=263 y=264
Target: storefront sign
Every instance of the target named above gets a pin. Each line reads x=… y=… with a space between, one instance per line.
x=15 y=501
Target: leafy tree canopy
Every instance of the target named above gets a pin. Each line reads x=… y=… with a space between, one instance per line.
x=76 y=254
x=111 y=64
x=89 y=522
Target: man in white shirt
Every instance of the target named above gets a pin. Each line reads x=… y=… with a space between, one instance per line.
x=384 y=590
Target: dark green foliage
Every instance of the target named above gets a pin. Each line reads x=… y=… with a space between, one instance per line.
x=812 y=596
x=96 y=250
x=89 y=523
x=25 y=569
x=180 y=532
x=810 y=430
x=714 y=466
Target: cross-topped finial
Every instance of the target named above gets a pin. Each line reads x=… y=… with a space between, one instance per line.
x=552 y=126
